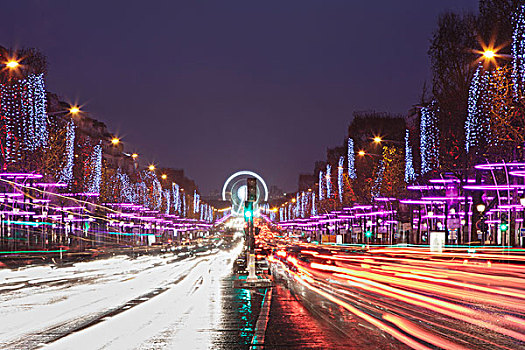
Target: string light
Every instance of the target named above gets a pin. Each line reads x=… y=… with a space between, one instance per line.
x=410 y=173
x=321 y=182
x=376 y=188
x=175 y=189
x=314 y=210
x=196 y=199
x=518 y=50
x=167 y=197
x=340 y=178
x=351 y=159
x=127 y=190
x=66 y=173
x=328 y=181
x=24 y=118
x=95 y=166
x=429 y=138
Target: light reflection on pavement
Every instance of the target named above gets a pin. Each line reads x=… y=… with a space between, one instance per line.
x=151 y=302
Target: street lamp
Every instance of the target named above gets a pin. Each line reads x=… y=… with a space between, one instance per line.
x=164 y=176
x=489 y=54
x=134 y=156
x=378 y=139
x=12 y=64
x=74 y=110
x=115 y=141
x=361 y=153
x=151 y=167
x=480 y=207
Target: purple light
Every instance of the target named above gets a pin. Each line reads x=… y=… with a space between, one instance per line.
x=18 y=212
x=441 y=199
x=490 y=166
x=444 y=181
x=71 y=208
x=81 y=194
x=21 y=175
x=414 y=201
x=426 y=187
x=11 y=194
x=517 y=173
x=51 y=184
x=493 y=187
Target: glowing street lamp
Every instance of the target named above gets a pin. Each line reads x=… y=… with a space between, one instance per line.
x=489 y=54
x=164 y=176
x=151 y=167
x=74 y=110
x=12 y=64
x=115 y=141
x=378 y=139
x=361 y=153
x=134 y=156
x=480 y=207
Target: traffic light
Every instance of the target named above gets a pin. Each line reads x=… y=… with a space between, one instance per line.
x=368 y=234
x=504 y=225
x=251 y=183
x=248 y=211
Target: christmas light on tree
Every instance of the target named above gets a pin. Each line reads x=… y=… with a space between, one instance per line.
x=66 y=173
x=175 y=189
x=518 y=50
x=351 y=159
x=328 y=181
x=340 y=178
x=167 y=198
x=314 y=210
x=95 y=166
x=429 y=138
x=410 y=173
x=23 y=116
x=321 y=182
x=196 y=199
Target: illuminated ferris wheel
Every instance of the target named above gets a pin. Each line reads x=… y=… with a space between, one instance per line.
x=235 y=191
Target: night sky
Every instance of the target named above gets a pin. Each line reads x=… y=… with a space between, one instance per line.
x=218 y=86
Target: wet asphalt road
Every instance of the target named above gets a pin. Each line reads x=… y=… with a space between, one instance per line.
x=159 y=302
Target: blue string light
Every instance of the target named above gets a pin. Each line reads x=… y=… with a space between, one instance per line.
x=429 y=133
x=66 y=173
x=321 y=186
x=328 y=180
x=518 y=50
x=340 y=178
x=351 y=159
x=95 y=165
x=410 y=173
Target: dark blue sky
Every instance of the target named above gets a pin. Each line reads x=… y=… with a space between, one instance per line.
x=219 y=86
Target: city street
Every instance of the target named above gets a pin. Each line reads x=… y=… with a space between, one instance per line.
x=411 y=297
x=235 y=175
x=149 y=302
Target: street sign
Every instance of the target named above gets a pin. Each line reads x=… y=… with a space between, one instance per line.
x=522 y=232
x=437 y=241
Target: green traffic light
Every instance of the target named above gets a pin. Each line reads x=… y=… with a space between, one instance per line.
x=503 y=226
x=368 y=234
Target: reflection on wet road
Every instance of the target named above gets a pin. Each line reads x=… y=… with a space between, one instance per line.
x=458 y=299
x=151 y=302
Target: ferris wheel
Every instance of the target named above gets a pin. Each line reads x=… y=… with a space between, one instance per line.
x=235 y=190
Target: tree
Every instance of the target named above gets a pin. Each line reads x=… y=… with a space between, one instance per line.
x=393 y=183
x=452 y=59
x=495 y=22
